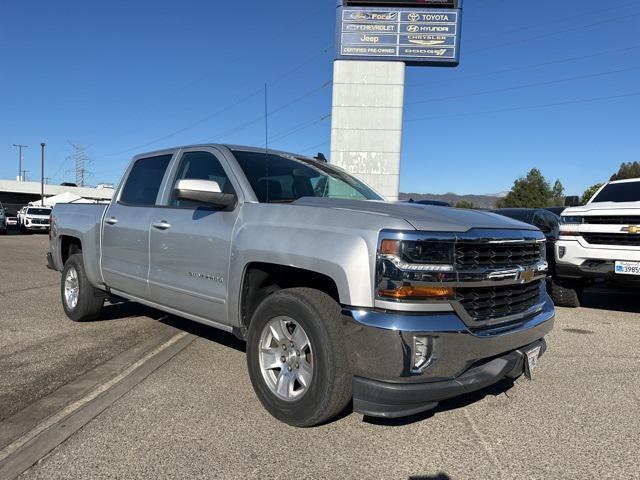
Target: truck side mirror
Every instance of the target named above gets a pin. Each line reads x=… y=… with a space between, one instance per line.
x=204 y=191
x=573 y=201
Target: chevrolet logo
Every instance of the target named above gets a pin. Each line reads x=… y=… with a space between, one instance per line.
x=632 y=229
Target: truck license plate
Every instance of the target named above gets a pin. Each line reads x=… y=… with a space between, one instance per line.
x=531 y=361
x=628 y=268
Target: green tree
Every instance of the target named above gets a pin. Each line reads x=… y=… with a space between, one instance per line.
x=589 y=192
x=531 y=191
x=557 y=195
x=464 y=204
x=626 y=171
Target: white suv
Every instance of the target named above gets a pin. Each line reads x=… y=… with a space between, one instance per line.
x=600 y=240
x=36 y=219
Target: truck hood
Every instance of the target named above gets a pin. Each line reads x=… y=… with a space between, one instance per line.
x=421 y=217
x=604 y=208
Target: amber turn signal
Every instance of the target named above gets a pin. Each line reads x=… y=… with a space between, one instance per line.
x=390 y=247
x=408 y=291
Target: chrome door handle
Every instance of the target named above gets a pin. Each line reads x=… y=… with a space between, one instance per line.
x=163 y=225
x=111 y=221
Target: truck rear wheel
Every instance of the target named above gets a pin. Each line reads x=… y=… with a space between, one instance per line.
x=82 y=302
x=296 y=357
x=566 y=293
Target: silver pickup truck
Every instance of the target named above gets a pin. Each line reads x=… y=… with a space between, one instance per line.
x=338 y=294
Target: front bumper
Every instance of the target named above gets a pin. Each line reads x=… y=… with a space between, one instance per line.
x=461 y=360
x=580 y=260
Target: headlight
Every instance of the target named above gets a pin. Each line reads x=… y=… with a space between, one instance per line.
x=414 y=270
x=571 y=220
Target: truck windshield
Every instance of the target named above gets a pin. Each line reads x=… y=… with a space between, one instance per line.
x=619 y=192
x=38 y=211
x=284 y=179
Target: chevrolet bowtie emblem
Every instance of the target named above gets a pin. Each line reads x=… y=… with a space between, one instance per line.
x=632 y=229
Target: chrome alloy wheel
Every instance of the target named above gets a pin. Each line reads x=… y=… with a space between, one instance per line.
x=286 y=358
x=71 y=288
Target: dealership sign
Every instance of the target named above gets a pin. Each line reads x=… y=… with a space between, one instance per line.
x=417 y=36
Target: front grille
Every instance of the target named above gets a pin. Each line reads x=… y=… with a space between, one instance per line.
x=40 y=221
x=474 y=255
x=618 y=220
x=612 y=239
x=490 y=303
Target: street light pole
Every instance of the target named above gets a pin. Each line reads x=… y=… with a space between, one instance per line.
x=20 y=147
x=42 y=145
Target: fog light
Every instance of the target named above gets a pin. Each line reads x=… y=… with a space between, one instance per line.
x=562 y=251
x=421 y=354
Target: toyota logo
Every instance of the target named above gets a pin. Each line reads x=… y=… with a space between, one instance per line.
x=414 y=17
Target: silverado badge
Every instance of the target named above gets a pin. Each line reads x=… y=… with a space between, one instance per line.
x=632 y=229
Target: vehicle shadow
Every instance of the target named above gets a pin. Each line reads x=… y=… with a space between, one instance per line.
x=206 y=332
x=500 y=388
x=606 y=298
x=120 y=308
x=439 y=476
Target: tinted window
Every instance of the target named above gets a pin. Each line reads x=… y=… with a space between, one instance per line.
x=200 y=166
x=38 y=211
x=284 y=179
x=144 y=181
x=619 y=192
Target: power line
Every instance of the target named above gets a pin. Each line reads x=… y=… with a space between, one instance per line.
x=230 y=61
x=527 y=67
x=527 y=107
x=550 y=34
x=231 y=106
x=527 y=85
x=559 y=20
x=299 y=127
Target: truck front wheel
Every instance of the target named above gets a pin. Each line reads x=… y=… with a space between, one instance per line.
x=296 y=357
x=565 y=293
x=81 y=301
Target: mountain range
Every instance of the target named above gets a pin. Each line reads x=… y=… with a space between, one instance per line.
x=481 y=201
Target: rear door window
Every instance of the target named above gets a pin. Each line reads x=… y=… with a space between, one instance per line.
x=144 y=180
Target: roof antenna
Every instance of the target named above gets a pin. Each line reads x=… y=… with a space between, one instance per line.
x=266 y=140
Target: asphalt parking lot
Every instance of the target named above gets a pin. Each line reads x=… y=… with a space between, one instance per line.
x=75 y=401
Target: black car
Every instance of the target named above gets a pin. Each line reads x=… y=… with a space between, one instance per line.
x=557 y=210
x=547 y=221
x=437 y=203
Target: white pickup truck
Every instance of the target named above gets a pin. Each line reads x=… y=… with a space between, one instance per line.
x=600 y=240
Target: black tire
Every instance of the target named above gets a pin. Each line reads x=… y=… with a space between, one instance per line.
x=329 y=391
x=89 y=299
x=566 y=293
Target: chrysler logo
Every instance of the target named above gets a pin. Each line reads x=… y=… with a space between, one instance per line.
x=632 y=229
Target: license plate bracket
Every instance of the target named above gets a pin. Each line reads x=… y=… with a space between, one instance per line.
x=531 y=357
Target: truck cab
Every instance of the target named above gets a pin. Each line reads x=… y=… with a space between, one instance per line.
x=599 y=241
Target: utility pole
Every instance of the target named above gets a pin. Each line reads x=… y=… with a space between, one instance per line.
x=20 y=147
x=42 y=145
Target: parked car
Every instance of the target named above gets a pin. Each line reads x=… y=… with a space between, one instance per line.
x=3 y=220
x=542 y=218
x=556 y=210
x=338 y=294
x=36 y=219
x=436 y=203
x=12 y=221
x=599 y=241
x=20 y=216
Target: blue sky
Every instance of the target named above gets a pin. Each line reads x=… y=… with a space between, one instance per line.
x=547 y=84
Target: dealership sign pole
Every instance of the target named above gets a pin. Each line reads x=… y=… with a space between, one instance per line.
x=375 y=41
